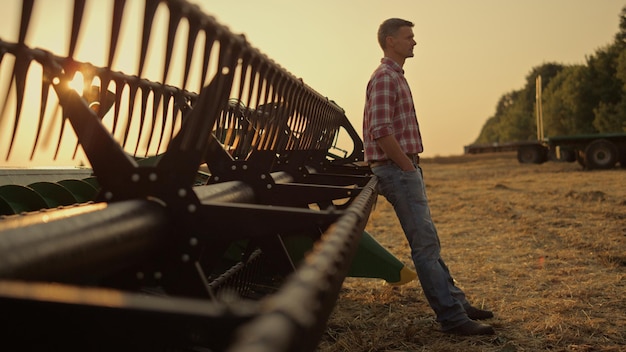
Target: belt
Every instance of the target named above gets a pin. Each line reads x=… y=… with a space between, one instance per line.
x=415 y=158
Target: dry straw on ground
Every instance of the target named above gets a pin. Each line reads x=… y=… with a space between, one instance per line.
x=543 y=246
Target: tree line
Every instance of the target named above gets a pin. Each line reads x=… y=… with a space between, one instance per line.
x=576 y=99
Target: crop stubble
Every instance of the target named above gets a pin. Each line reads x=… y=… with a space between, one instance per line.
x=543 y=246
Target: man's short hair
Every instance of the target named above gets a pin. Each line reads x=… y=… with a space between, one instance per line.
x=389 y=28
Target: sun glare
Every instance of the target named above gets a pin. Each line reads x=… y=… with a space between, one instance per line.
x=78 y=83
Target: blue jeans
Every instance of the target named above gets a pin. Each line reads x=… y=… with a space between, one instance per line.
x=405 y=190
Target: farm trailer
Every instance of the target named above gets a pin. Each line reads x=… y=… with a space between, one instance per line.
x=223 y=220
x=592 y=151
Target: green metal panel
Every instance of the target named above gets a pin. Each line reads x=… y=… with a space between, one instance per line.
x=54 y=194
x=92 y=181
x=17 y=199
x=83 y=191
x=371 y=260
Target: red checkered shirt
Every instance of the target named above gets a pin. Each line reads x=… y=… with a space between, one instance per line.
x=389 y=110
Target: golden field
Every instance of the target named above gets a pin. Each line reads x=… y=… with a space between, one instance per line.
x=543 y=246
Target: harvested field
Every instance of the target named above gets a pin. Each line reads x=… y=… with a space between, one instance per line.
x=543 y=246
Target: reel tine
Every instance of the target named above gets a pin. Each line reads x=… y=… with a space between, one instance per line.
x=166 y=106
x=20 y=72
x=145 y=91
x=156 y=101
x=118 y=13
x=27 y=12
x=194 y=28
x=175 y=17
x=132 y=94
x=119 y=89
x=45 y=89
x=79 y=10
x=148 y=18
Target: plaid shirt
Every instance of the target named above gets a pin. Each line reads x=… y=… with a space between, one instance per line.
x=389 y=110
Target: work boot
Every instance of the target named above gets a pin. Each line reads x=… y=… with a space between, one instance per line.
x=477 y=314
x=470 y=328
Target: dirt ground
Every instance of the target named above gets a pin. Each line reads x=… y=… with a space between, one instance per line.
x=543 y=246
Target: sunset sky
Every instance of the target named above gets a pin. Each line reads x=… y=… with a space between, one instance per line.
x=468 y=54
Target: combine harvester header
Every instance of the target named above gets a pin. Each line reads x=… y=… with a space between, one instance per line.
x=221 y=217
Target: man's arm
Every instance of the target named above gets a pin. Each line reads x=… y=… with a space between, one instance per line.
x=392 y=149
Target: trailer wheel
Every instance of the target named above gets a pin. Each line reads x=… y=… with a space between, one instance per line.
x=622 y=157
x=580 y=157
x=601 y=154
x=535 y=154
x=568 y=155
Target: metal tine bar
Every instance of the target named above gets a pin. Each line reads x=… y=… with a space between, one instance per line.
x=325 y=128
x=148 y=17
x=261 y=86
x=63 y=119
x=157 y=94
x=195 y=136
x=145 y=91
x=243 y=148
x=252 y=113
x=166 y=106
x=116 y=24
x=70 y=71
x=294 y=102
x=318 y=123
x=306 y=113
x=133 y=86
x=105 y=80
x=286 y=130
x=249 y=132
x=260 y=110
x=88 y=83
x=120 y=83
x=175 y=17
x=79 y=10
x=302 y=119
x=27 y=12
x=315 y=125
x=20 y=72
x=293 y=98
x=284 y=110
x=267 y=89
x=181 y=105
x=237 y=112
x=240 y=120
x=208 y=47
x=272 y=122
x=292 y=123
x=45 y=89
x=192 y=36
x=303 y=123
x=275 y=122
x=223 y=123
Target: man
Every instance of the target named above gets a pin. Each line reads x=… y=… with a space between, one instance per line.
x=392 y=143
